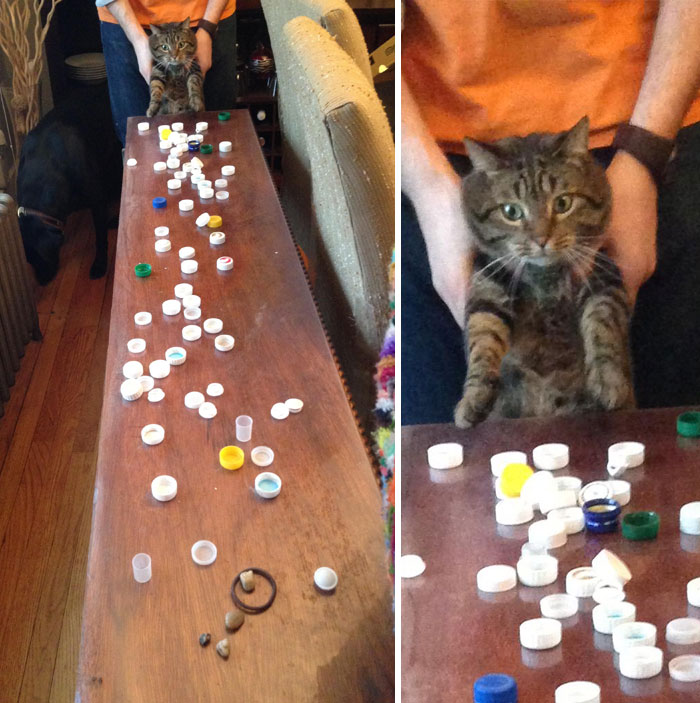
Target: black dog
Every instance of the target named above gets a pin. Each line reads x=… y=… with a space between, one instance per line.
x=69 y=161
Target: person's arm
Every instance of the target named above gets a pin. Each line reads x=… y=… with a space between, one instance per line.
x=204 y=40
x=435 y=191
x=669 y=87
x=122 y=12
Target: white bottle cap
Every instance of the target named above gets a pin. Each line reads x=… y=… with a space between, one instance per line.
x=224 y=342
x=581 y=582
x=220 y=183
x=195 y=138
x=577 y=692
x=511 y=511
x=203 y=552
x=162 y=128
x=535 y=486
x=262 y=456
x=196 y=177
x=191 y=300
x=607 y=616
x=163 y=245
x=176 y=356
x=594 y=491
x=143 y=318
x=217 y=238
x=550 y=457
x=136 y=345
x=621 y=491
x=164 y=488
x=605 y=593
x=552 y=500
x=641 y=662
x=693 y=591
x=186 y=253
x=202 y=220
x=626 y=454
x=143 y=126
x=228 y=170
x=690 y=518
x=194 y=399
x=213 y=325
x=177 y=126
x=161 y=231
x=224 y=263
x=548 y=533
x=173 y=162
x=159 y=368
x=131 y=162
x=191 y=333
x=207 y=410
x=197 y=171
x=146 y=382
x=174 y=184
x=496 y=578
x=183 y=289
x=203 y=184
x=206 y=193
x=568 y=483
x=186 y=205
x=294 y=405
x=279 y=411
x=225 y=146
x=131 y=389
x=156 y=395
x=159 y=166
x=171 y=307
x=221 y=195
x=540 y=633
x=192 y=314
x=610 y=568
x=533 y=550
x=180 y=175
x=201 y=127
x=572 y=518
x=187 y=167
x=685 y=668
x=189 y=266
x=559 y=606
x=447 y=455
x=537 y=571
x=215 y=390
x=502 y=459
x=683 y=631
x=152 y=434
x=633 y=634
x=410 y=566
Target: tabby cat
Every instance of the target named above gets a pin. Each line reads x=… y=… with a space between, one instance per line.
x=176 y=78
x=547 y=318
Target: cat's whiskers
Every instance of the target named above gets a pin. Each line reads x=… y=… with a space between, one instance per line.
x=502 y=262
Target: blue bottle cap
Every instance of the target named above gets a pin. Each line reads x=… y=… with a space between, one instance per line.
x=159 y=203
x=495 y=688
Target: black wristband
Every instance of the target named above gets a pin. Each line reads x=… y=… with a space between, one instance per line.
x=651 y=150
x=209 y=27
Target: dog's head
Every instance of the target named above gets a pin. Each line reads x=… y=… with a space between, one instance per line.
x=42 y=244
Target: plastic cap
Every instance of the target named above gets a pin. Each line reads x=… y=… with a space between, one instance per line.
x=502 y=459
x=495 y=688
x=513 y=479
x=577 y=692
x=550 y=457
x=496 y=578
x=447 y=455
x=159 y=203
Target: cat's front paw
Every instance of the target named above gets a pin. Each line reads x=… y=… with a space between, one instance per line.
x=609 y=387
x=197 y=105
x=152 y=110
x=474 y=407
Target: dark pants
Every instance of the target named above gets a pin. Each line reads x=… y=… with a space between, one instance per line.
x=665 y=333
x=129 y=94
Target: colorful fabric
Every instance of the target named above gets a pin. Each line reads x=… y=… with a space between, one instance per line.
x=163 y=11
x=384 y=435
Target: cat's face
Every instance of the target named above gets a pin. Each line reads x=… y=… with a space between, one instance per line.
x=172 y=44
x=539 y=199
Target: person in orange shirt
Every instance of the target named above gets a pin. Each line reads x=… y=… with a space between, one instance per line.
x=488 y=69
x=124 y=26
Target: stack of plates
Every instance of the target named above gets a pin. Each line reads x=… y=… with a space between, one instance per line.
x=87 y=68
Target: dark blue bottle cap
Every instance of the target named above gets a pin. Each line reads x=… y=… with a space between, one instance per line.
x=159 y=203
x=495 y=688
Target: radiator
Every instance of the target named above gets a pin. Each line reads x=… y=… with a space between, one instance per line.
x=18 y=317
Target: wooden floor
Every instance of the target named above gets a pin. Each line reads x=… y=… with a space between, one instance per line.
x=48 y=448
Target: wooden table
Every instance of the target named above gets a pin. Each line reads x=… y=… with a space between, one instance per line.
x=452 y=634
x=140 y=641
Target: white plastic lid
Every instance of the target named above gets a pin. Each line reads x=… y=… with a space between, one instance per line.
x=146 y=382
x=162 y=128
x=410 y=566
x=693 y=591
x=203 y=552
x=186 y=253
x=156 y=395
x=605 y=593
x=581 y=582
x=279 y=411
x=550 y=457
x=189 y=266
x=143 y=126
x=136 y=345
x=161 y=231
x=143 y=318
x=502 y=459
x=159 y=165
x=132 y=369
x=568 y=483
x=447 y=455
x=171 y=307
x=152 y=434
x=540 y=633
x=174 y=183
x=537 y=571
x=159 y=368
x=202 y=220
x=164 y=488
x=194 y=399
x=192 y=313
x=228 y=170
x=535 y=486
x=177 y=126
x=206 y=193
x=262 y=456
x=191 y=301
x=553 y=500
x=163 y=245
x=180 y=175
x=573 y=519
x=621 y=491
x=225 y=146
x=186 y=205
x=183 y=289
x=224 y=263
x=610 y=568
x=213 y=325
x=173 y=162
x=215 y=389
x=201 y=127
x=220 y=183
x=511 y=511
x=191 y=333
x=207 y=410
x=548 y=533
x=224 y=343
x=608 y=616
x=683 y=631
x=577 y=692
x=685 y=668
x=131 y=389
x=217 y=238
x=176 y=356
x=294 y=405
x=626 y=454
x=496 y=578
x=633 y=634
x=325 y=578
x=559 y=606
x=131 y=162
x=594 y=491
x=221 y=195
x=641 y=662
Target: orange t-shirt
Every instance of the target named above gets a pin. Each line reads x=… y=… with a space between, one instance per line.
x=163 y=11
x=489 y=69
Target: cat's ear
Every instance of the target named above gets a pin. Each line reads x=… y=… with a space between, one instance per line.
x=575 y=141
x=156 y=29
x=185 y=24
x=483 y=156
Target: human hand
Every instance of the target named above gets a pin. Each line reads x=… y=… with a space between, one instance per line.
x=630 y=238
x=143 y=56
x=203 y=53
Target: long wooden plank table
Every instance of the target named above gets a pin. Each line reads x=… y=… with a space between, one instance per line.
x=140 y=641
x=452 y=634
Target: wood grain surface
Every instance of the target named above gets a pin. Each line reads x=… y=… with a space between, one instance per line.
x=140 y=641
x=452 y=633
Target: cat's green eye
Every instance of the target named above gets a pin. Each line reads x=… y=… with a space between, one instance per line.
x=562 y=204
x=512 y=212
x=164 y=47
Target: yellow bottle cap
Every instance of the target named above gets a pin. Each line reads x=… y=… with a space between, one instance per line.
x=165 y=133
x=215 y=222
x=231 y=458
x=513 y=479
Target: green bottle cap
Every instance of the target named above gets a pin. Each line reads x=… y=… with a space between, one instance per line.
x=206 y=148
x=639 y=526
x=688 y=424
x=223 y=116
x=142 y=270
